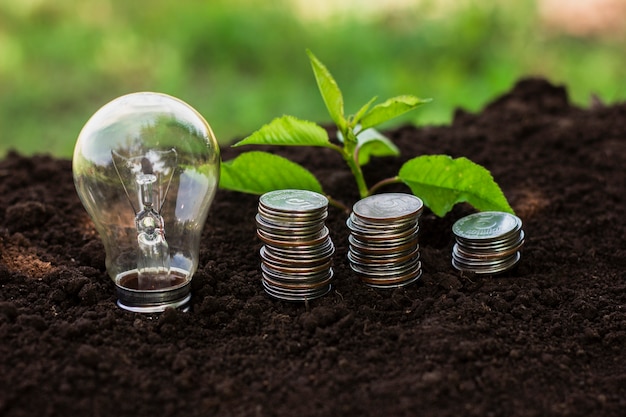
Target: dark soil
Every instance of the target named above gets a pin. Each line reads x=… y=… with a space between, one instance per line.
x=545 y=339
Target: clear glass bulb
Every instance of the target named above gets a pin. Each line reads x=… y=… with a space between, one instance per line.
x=146 y=168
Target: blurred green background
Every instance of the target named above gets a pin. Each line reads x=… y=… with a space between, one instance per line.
x=242 y=62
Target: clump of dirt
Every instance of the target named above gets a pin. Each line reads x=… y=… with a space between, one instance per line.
x=546 y=338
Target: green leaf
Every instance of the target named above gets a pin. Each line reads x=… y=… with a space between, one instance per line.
x=329 y=90
x=258 y=172
x=441 y=182
x=288 y=131
x=357 y=117
x=391 y=108
x=370 y=142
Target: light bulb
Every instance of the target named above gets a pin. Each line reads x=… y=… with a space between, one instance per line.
x=146 y=168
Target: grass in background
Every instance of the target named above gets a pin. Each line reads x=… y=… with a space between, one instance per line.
x=241 y=63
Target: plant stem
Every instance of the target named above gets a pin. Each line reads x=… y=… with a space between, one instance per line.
x=358 y=174
x=350 y=154
x=382 y=183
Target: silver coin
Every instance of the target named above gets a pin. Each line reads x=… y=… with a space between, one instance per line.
x=297 y=269
x=295 y=295
x=464 y=252
x=399 y=247
x=487 y=242
x=296 y=266
x=388 y=207
x=386 y=259
x=399 y=274
x=293 y=201
x=292 y=218
x=390 y=226
x=490 y=270
x=308 y=229
x=391 y=241
x=383 y=247
x=392 y=235
x=386 y=271
x=325 y=248
x=395 y=283
x=487 y=263
x=495 y=246
x=295 y=235
x=296 y=258
x=290 y=282
x=299 y=254
x=300 y=261
x=509 y=240
x=295 y=279
x=486 y=226
x=298 y=286
x=293 y=241
x=293 y=274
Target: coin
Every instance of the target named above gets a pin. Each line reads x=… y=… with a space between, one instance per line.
x=486 y=226
x=394 y=283
x=387 y=271
x=492 y=269
x=385 y=259
x=287 y=229
x=383 y=248
x=357 y=225
x=326 y=248
x=364 y=248
x=293 y=201
x=376 y=236
x=388 y=207
x=296 y=258
x=487 y=242
x=297 y=270
x=471 y=253
x=299 y=286
x=391 y=241
x=295 y=295
x=278 y=217
x=292 y=241
x=297 y=261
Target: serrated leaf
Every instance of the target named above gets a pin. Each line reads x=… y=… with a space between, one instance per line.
x=258 y=172
x=358 y=115
x=370 y=142
x=331 y=94
x=288 y=131
x=441 y=182
x=391 y=108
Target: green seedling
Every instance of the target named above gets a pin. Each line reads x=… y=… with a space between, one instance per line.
x=439 y=180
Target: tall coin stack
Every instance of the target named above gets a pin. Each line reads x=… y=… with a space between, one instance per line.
x=487 y=242
x=383 y=245
x=296 y=260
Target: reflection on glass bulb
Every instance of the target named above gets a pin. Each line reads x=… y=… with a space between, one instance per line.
x=146 y=168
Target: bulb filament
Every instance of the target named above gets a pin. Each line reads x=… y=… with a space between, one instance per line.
x=153 y=263
x=153 y=255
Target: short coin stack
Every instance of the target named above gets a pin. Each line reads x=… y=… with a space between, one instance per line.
x=487 y=242
x=296 y=257
x=383 y=244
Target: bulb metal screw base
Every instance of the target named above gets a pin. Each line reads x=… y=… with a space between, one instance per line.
x=153 y=300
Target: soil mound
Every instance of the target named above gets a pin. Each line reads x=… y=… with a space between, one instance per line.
x=546 y=338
